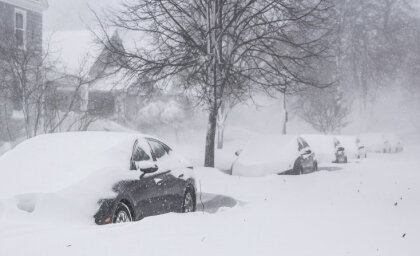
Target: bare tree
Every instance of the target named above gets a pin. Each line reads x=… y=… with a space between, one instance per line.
x=23 y=82
x=212 y=44
x=326 y=110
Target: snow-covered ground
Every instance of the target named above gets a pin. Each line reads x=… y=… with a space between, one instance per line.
x=367 y=207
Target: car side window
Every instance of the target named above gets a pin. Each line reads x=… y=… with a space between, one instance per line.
x=140 y=155
x=159 y=150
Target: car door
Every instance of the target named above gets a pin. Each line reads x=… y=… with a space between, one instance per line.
x=170 y=181
x=147 y=191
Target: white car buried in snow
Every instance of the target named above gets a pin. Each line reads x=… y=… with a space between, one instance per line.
x=275 y=154
x=382 y=142
x=354 y=147
x=327 y=148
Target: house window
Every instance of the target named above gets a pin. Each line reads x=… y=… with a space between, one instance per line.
x=20 y=27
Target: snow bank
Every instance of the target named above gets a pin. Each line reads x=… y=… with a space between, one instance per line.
x=6 y=146
x=364 y=209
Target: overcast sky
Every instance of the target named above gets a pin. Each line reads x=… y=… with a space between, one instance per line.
x=70 y=14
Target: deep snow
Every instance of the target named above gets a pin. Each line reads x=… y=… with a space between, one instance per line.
x=363 y=208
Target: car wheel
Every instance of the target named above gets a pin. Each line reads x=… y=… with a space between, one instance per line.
x=188 y=204
x=301 y=170
x=315 y=167
x=345 y=160
x=122 y=214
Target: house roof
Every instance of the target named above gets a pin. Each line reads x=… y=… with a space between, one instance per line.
x=78 y=50
x=33 y=5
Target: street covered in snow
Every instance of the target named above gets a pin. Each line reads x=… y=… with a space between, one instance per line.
x=367 y=207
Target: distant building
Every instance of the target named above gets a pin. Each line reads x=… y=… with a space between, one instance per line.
x=24 y=20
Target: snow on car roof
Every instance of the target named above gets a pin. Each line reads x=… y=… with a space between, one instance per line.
x=48 y=163
x=266 y=147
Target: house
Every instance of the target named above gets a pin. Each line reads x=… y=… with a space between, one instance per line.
x=110 y=93
x=21 y=31
x=24 y=20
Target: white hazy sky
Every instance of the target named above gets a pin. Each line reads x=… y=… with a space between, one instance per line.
x=71 y=14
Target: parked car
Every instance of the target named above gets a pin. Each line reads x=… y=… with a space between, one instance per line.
x=115 y=177
x=353 y=145
x=382 y=142
x=395 y=144
x=275 y=154
x=340 y=152
x=327 y=147
x=361 y=149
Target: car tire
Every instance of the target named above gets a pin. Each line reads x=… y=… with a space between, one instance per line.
x=315 y=167
x=189 y=201
x=301 y=170
x=345 y=160
x=122 y=214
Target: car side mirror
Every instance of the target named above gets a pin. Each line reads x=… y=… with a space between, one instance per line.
x=146 y=166
x=238 y=152
x=306 y=152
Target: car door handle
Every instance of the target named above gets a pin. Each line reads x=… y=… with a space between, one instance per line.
x=181 y=176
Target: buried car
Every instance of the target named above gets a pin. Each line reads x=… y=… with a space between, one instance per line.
x=354 y=147
x=275 y=154
x=112 y=177
x=382 y=142
x=395 y=144
x=327 y=147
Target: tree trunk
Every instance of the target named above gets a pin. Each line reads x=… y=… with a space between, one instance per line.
x=210 y=138
x=286 y=115
x=220 y=136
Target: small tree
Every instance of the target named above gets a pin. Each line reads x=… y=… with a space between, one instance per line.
x=326 y=110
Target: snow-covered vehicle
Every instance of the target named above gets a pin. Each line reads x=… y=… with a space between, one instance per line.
x=395 y=144
x=112 y=177
x=275 y=154
x=382 y=142
x=354 y=147
x=375 y=142
x=340 y=152
x=327 y=148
